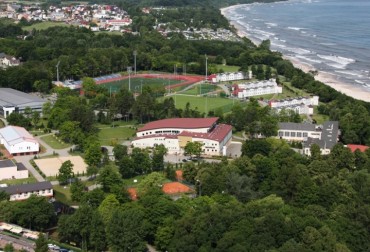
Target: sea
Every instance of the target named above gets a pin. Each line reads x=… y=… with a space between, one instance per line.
x=332 y=36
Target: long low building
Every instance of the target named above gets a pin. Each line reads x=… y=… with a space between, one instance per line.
x=175 y=133
x=18 y=141
x=24 y=191
x=12 y=100
x=265 y=87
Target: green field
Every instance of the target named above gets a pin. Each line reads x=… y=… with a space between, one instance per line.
x=200 y=89
x=203 y=104
x=54 y=143
x=44 y=25
x=111 y=136
x=30 y=179
x=138 y=83
x=227 y=68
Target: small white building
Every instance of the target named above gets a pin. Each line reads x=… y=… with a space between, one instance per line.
x=24 y=191
x=175 y=133
x=11 y=170
x=301 y=105
x=18 y=141
x=221 y=77
x=246 y=90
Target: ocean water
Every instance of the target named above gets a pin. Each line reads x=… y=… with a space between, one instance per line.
x=333 y=36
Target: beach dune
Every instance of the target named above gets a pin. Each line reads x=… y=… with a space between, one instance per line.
x=327 y=78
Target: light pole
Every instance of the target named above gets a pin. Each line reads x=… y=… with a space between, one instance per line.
x=206 y=67
x=129 y=69
x=135 y=53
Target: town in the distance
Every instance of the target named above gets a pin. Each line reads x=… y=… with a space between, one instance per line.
x=153 y=126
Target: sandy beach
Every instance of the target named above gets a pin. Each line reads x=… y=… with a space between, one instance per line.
x=324 y=77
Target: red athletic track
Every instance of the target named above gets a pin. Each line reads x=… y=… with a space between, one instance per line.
x=186 y=79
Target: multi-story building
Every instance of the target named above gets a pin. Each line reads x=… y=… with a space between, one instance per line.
x=301 y=105
x=221 y=77
x=246 y=90
x=175 y=133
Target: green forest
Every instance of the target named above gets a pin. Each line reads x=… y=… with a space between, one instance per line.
x=269 y=199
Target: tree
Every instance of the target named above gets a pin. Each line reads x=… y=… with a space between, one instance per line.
x=42 y=86
x=256 y=146
x=193 y=149
x=17 y=119
x=93 y=154
x=65 y=172
x=9 y=248
x=77 y=190
x=41 y=244
x=159 y=152
x=152 y=182
x=107 y=207
x=109 y=177
x=119 y=151
x=35 y=118
x=315 y=152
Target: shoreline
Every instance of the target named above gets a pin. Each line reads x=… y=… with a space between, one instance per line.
x=326 y=78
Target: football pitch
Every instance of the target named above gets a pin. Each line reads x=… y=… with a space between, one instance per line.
x=203 y=104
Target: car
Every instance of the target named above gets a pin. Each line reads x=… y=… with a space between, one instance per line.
x=63 y=250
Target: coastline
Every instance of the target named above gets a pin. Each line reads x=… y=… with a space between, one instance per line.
x=324 y=77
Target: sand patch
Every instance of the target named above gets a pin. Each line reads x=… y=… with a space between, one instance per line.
x=50 y=166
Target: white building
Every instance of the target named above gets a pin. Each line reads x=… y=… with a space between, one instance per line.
x=301 y=105
x=8 y=61
x=24 y=191
x=325 y=135
x=12 y=100
x=175 y=133
x=221 y=77
x=246 y=90
x=18 y=141
x=11 y=170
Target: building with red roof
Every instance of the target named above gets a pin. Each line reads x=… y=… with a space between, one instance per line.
x=18 y=141
x=175 y=133
x=354 y=147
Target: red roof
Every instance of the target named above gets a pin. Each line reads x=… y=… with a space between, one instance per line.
x=179 y=175
x=180 y=123
x=354 y=147
x=133 y=193
x=217 y=134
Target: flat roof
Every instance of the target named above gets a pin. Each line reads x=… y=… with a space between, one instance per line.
x=180 y=123
x=25 y=188
x=6 y=163
x=12 y=97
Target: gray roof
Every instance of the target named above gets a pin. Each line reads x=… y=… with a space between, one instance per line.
x=25 y=188
x=14 y=98
x=2 y=55
x=6 y=163
x=329 y=136
x=297 y=126
x=21 y=167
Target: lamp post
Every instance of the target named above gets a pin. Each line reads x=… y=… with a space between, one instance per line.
x=200 y=187
x=129 y=69
x=206 y=67
x=135 y=54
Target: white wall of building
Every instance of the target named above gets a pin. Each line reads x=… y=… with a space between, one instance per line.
x=169 y=131
x=23 y=147
x=298 y=135
x=23 y=196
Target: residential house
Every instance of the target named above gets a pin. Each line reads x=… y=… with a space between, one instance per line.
x=11 y=170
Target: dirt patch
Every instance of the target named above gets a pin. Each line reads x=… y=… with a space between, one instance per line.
x=50 y=166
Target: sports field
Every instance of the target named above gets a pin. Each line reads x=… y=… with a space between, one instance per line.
x=201 y=89
x=138 y=83
x=203 y=104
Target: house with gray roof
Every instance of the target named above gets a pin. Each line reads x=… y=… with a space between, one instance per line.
x=12 y=100
x=24 y=191
x=11 y=170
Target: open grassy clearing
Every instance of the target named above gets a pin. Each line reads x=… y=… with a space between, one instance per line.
x=112 y=136
x=63 y=194
x=227 y=68
x=204 y=104
x=319 y=118
x=44 y=25
x=116 y=124
x=201 y=89
x=138 y=83
x=55 y=143
x=30 y=179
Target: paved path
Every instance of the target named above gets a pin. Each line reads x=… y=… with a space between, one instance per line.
x=18 y=244
x=224 y=88
x=26 y=161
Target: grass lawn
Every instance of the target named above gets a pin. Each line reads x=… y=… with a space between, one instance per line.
x=319 y=117
x=28 y=180
x=54 y=143
x=117 y=123
x=63 y=194
x=44 y=25
x=154 y=83
x=204 y=104
x=200 y=89
x=227 y=68
x=111 y=136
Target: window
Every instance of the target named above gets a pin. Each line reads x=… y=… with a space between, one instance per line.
x=304 y=134
x=281 y=133
x=299 y=134
x=292 y=134
x=286 y=133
